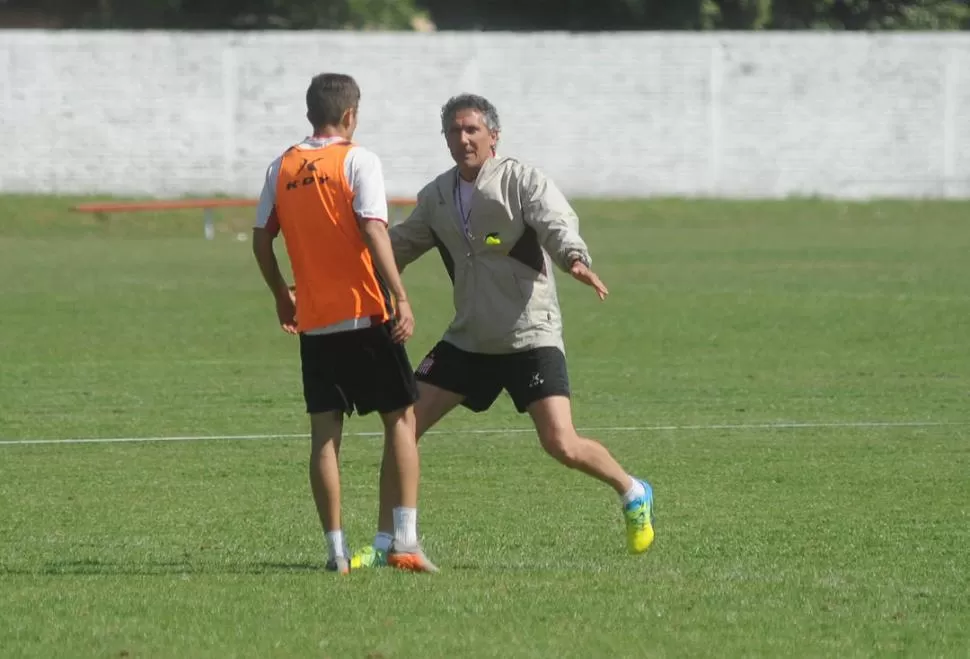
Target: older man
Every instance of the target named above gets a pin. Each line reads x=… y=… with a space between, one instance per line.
x=501 y=227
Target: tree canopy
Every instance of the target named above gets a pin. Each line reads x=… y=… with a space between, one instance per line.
x=574 y=15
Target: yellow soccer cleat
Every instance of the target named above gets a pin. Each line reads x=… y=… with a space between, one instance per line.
x=639 y=521
x=368 y=557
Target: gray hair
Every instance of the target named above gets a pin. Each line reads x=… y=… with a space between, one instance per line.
x=470 y=102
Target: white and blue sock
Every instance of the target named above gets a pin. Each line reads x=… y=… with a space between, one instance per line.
x=382 y=541
x=335 y=544
x=406 y=526
x=636 y=492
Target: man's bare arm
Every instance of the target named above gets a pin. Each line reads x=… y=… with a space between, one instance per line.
x=378 y=241
x=269 y=267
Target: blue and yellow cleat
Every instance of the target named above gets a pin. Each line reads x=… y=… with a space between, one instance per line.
x=368 y=557
x=639 y=521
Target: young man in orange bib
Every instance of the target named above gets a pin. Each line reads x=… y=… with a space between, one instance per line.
x=326 y=196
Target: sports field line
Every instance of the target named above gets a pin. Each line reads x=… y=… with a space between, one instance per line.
x=505 y=431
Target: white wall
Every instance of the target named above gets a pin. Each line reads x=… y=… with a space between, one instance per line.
x=733 y=115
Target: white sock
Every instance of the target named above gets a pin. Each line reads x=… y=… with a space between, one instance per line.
x=335 y=543
x=382 y=541
x=635 y=492
x=406 y=526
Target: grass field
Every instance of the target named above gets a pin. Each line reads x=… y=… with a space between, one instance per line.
x=793 y=377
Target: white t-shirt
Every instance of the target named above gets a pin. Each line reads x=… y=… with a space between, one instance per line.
x=365 y=177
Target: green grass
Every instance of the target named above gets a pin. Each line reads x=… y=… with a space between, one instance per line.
x=816 y=541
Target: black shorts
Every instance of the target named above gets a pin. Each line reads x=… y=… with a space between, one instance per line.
x=528 y=376
x=359 y=369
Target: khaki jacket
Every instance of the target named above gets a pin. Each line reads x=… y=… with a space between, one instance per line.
x=520 y=225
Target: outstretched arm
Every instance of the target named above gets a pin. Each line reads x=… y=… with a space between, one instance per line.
x=411 y=238
x=555 y=222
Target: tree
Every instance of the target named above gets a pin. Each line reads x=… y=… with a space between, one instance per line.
x=227 y=14
x=737 y=14
x=574 y=15
x=870 y=14
x=597 y=15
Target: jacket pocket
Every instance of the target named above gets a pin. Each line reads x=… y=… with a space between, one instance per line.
x=524 y=287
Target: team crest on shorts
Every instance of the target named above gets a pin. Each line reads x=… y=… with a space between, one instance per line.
x=425 y=366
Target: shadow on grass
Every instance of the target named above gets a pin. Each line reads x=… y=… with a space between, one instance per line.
x=96 y=567
x=149 y=568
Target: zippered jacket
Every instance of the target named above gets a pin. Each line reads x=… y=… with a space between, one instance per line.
x=519 y=227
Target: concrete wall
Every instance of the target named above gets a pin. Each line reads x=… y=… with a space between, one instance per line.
x=730 y=115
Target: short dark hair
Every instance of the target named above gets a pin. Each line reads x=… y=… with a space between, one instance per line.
x=329 y=96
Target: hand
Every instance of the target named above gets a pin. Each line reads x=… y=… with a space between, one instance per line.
x=286 y=310
x=403 y=323
x=581 y=272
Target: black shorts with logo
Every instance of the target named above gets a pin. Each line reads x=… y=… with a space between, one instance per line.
x=360 y=369
x=528 y=376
